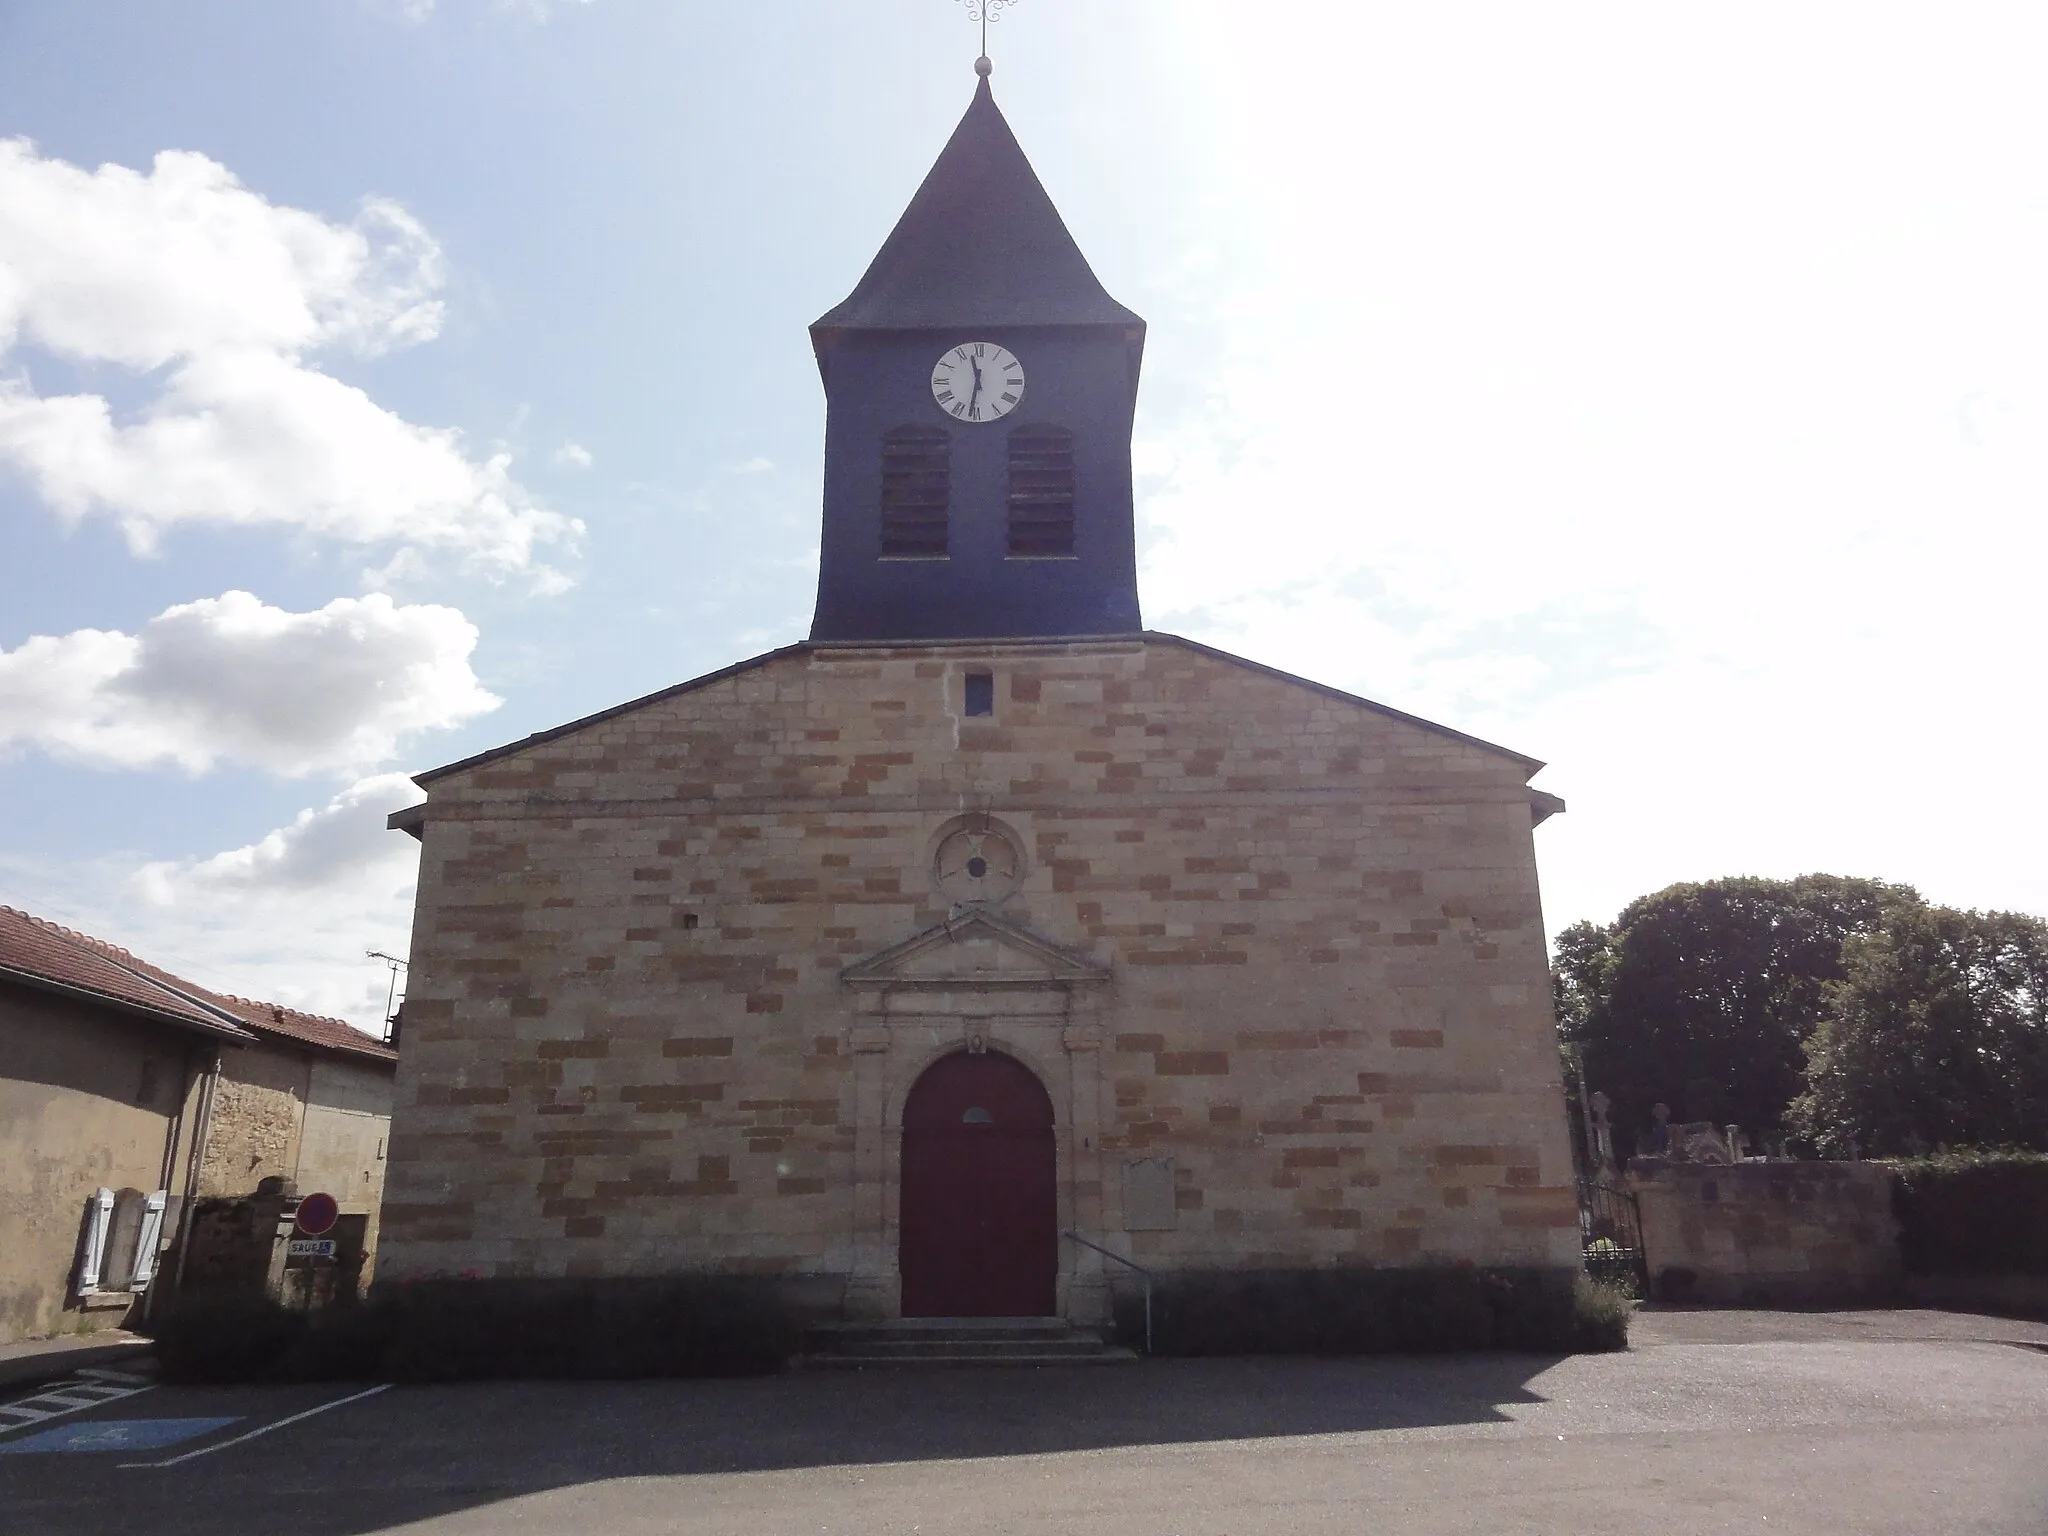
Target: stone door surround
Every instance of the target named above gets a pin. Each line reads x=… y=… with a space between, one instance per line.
x=976 y=982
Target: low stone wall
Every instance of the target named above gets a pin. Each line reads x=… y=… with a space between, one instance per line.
x=1767 y=1233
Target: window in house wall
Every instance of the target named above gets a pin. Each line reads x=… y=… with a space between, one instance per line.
x=119 y=1239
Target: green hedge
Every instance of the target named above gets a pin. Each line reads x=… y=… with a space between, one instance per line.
x=449 y=1330
x=1973 y=1213
x=1376 y=1311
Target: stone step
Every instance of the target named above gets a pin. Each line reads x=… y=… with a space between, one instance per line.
x=1106 y=1355
x=958 y=1341
x=895 y=1329
x=910 y=1349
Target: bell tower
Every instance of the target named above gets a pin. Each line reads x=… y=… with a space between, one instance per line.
x=979 y=388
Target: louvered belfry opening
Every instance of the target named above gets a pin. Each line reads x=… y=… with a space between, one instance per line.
x=1041 y=491
x=915 y=485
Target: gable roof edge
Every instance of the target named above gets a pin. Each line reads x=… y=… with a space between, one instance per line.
x=412 y=814
x=1532 y=764
x=491 y=754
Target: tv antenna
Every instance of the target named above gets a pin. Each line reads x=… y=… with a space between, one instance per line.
x=391 y=994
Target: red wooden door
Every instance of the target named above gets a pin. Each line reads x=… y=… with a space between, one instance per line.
x=980 y=1213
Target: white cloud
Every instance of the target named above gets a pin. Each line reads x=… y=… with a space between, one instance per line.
x=215 y=300
x=286 y=919
x=289 y=918
x=343 y=845
x=572 y=456
x=230 y=679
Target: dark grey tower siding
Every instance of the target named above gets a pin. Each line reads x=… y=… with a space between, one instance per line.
x=981 y=254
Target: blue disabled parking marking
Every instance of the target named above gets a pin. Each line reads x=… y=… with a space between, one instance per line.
x=114 y=1435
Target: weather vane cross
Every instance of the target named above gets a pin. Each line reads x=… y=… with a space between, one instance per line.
x=986 y=11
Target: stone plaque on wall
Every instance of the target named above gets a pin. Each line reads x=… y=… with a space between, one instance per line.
x=1148 y=1195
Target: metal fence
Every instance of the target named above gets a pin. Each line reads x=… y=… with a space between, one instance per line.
x=1611 y=1235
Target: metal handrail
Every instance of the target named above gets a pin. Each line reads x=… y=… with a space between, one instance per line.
x=1143 y=1274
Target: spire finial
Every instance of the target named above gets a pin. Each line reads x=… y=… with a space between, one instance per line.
x=986 y=11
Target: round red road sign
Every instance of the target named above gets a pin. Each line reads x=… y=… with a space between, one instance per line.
x=317 y=1213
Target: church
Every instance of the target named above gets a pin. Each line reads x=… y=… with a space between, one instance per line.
x=940 y=964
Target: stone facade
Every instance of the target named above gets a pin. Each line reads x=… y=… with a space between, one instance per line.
x=312 y=1120
x=252 y=1129
x=1276 y=953
x=97 y=1096
x=1767 y=1233
x=110 y=1070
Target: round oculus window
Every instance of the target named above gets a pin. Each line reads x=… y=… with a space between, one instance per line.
x=977 y=864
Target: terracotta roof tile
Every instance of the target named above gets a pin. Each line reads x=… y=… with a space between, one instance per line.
x=43 y=950
x=308 y=1028
x=38 y=948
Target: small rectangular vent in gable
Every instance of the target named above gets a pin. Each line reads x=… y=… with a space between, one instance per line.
x=1041 y=492
x=915 y=488
x=981 y=693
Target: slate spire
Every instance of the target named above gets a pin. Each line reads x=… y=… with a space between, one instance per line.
x=981 y=244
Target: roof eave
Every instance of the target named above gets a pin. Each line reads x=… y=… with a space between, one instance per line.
x=369 y=1050
x=491 y=754
x=217 y=1029
x=1533 y=764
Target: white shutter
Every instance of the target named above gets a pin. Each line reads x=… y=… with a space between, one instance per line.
x=99 y=1218
x=147 y=1239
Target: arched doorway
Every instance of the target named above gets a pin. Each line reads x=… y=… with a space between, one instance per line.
x=980 y=1212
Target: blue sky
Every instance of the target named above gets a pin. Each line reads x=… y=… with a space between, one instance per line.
x=1660 y=396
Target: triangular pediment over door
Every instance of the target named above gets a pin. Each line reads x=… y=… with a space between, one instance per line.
x=980 y=950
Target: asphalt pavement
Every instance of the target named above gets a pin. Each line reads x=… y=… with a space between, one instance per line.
x=1899 y=1422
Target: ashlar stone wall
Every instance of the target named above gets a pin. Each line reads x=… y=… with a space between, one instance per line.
x=1276 y=954
x=1767 y=1233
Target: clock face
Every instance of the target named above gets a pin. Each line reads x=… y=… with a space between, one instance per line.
x=978 y=381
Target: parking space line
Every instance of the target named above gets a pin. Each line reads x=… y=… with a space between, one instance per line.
x=339 y=1402
x=69 y=1397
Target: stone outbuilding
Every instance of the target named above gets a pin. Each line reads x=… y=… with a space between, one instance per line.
x=130 y=1096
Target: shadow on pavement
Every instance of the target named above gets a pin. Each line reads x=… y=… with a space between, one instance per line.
x=417 y=1452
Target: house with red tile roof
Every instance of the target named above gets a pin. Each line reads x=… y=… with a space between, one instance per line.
x=131 y=1098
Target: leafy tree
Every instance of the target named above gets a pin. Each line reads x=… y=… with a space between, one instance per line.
x=1938 y=1036
x=1701 y=996
x=1579 y=974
